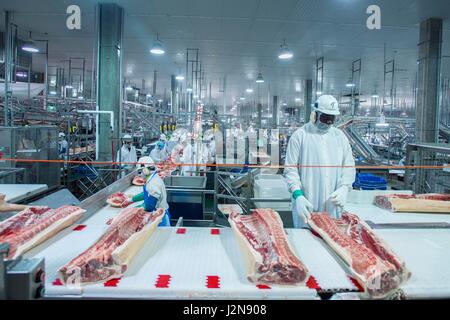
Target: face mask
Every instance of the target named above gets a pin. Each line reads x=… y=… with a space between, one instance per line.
x=323 y=126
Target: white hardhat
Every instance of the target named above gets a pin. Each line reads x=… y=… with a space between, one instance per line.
x=145 y=162
x=327 y=104
x=61 y=135
x=163 y=137
x=127 y=137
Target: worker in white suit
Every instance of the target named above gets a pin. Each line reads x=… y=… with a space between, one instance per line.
x=159 y=152
x=186 y=158
x=319 y=165
x=127 y=155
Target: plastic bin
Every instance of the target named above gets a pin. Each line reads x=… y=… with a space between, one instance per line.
x=272 y=186
x=368 y=181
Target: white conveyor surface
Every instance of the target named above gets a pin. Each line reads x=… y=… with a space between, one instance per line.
x=360 y=203
x=427 y=255
x=189 y=258
x=17 y=192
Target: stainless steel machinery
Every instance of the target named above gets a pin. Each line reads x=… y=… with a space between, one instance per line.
x=31 y=143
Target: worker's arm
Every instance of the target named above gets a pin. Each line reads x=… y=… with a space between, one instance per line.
x=138 y=197
x=291 y=174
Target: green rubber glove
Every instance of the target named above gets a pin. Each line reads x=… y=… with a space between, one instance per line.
x=297 y=193
x=138 y=197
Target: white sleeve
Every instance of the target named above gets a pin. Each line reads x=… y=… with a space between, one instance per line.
x=349 y=171
x=292 y=159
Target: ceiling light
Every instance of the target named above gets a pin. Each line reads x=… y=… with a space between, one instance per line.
x=242 y=98
x=382 y=124
x=375 y=96
x=52 y=92
x=249 y=90
x=129 y=88
x=149 y=95
x=189 y=89
x=259 y=78
x=179 y=78
x=69 y=87
x=285 y=53
x=284 y=104
x=157 y=47
x=319 y=93
x=297 y=99
x=21 y=74
x=350 y=85
x=195 y=96
x=160 y=100
x=30 y=46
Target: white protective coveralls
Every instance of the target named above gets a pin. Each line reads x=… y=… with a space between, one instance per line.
x=187 y=158
x=159 y=155
x=127 y=155
x=310 y=146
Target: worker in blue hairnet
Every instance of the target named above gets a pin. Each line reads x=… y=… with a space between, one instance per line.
x=319 y=165
x=154 y=192
x=159 y=153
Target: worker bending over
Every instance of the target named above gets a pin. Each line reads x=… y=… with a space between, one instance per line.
x=154 y=191
x=324 y=165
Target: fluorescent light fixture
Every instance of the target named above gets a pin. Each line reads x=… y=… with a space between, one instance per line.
x=148 y=95
x=69 y=87
x=195 y=96
x=319 y=93
x=242 y=98
x=179 y=78
x=297 y=99
x=160 y=100
x=375 y=96
x=189 y=90
x=129 y=88
x=259 y=78
x=80 y=97
x=157 y=48
x=350 y=85
x=285 y=53
x=284 y=104
x=29 y=46
x=249 y=90
x=382 y=124
x=52 y=92
x=21 y=74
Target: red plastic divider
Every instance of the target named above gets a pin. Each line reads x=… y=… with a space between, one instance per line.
x=213 y=282
x=57 y=282
x=181 y=230
x=163 y=281
x=112 y=282
x=263 y=286
x=79 y=227
x=215 y=231
x=312 y=283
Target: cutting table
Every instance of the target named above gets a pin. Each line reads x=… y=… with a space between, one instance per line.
x=361 y=203
x=18 y=192
x=206 y=263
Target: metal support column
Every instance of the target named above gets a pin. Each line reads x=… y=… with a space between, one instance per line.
x=308 y=99
x=275 y=112
x=259 y=112
x=8 y=66
x=109 y=66
x=427 y=110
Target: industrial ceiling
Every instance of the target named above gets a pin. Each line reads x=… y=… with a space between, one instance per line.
x=239 y=38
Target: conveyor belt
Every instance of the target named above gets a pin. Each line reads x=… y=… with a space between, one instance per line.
x=187 y=257
x=427 y=255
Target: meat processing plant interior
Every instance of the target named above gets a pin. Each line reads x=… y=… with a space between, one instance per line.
x=225 y=150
